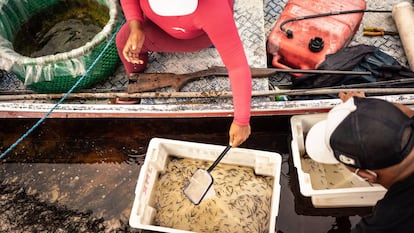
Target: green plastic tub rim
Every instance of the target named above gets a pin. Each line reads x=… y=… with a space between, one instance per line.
x=56 y=73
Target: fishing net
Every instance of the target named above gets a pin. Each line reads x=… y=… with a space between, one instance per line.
x=57 y=73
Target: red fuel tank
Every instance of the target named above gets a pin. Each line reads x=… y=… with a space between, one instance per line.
x=313 y=38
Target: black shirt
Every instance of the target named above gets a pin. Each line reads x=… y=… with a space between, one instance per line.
x=394 y=213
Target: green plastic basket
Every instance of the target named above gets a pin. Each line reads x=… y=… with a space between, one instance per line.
x=57 y=73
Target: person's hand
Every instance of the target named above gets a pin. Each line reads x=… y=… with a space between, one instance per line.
x=134 y=43
x=238 y=134
x=344 y=96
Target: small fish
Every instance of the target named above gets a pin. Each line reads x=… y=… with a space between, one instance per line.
x=242 y=201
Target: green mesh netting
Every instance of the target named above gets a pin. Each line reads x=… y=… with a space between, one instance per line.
x=57 y=73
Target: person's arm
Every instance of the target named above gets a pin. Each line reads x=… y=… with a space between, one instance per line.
x=408 y=111
x=134 y=18
x=132 y=10
x=222 y=31
x=134 y=43
x=344 y=96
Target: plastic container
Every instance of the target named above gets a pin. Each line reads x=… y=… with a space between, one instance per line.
x=143 y=211
x=328 y=186
x=328 y=34
x=56 y=73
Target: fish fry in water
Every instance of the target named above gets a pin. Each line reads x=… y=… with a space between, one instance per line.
x=242 y=201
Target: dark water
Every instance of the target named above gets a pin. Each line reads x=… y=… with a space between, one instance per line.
x=79 y=175
x=60 y=28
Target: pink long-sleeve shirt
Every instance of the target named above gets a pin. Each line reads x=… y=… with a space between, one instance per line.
x=214 y=18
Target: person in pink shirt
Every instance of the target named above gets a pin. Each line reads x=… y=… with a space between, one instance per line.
x=189 y=26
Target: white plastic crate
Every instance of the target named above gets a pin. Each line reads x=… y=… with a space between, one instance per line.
x=328 y=185
x=142 y=213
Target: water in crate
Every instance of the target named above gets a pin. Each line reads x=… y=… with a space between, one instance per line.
x=330 y=176
x=242 y=200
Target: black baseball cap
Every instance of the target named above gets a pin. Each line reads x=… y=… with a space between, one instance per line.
x=364 y=133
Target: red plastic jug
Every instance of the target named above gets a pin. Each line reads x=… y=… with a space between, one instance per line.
x=312 y=39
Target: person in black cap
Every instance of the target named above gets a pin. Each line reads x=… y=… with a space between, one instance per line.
x=375 y=139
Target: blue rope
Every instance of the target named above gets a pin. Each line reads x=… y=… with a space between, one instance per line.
x=63 y=97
